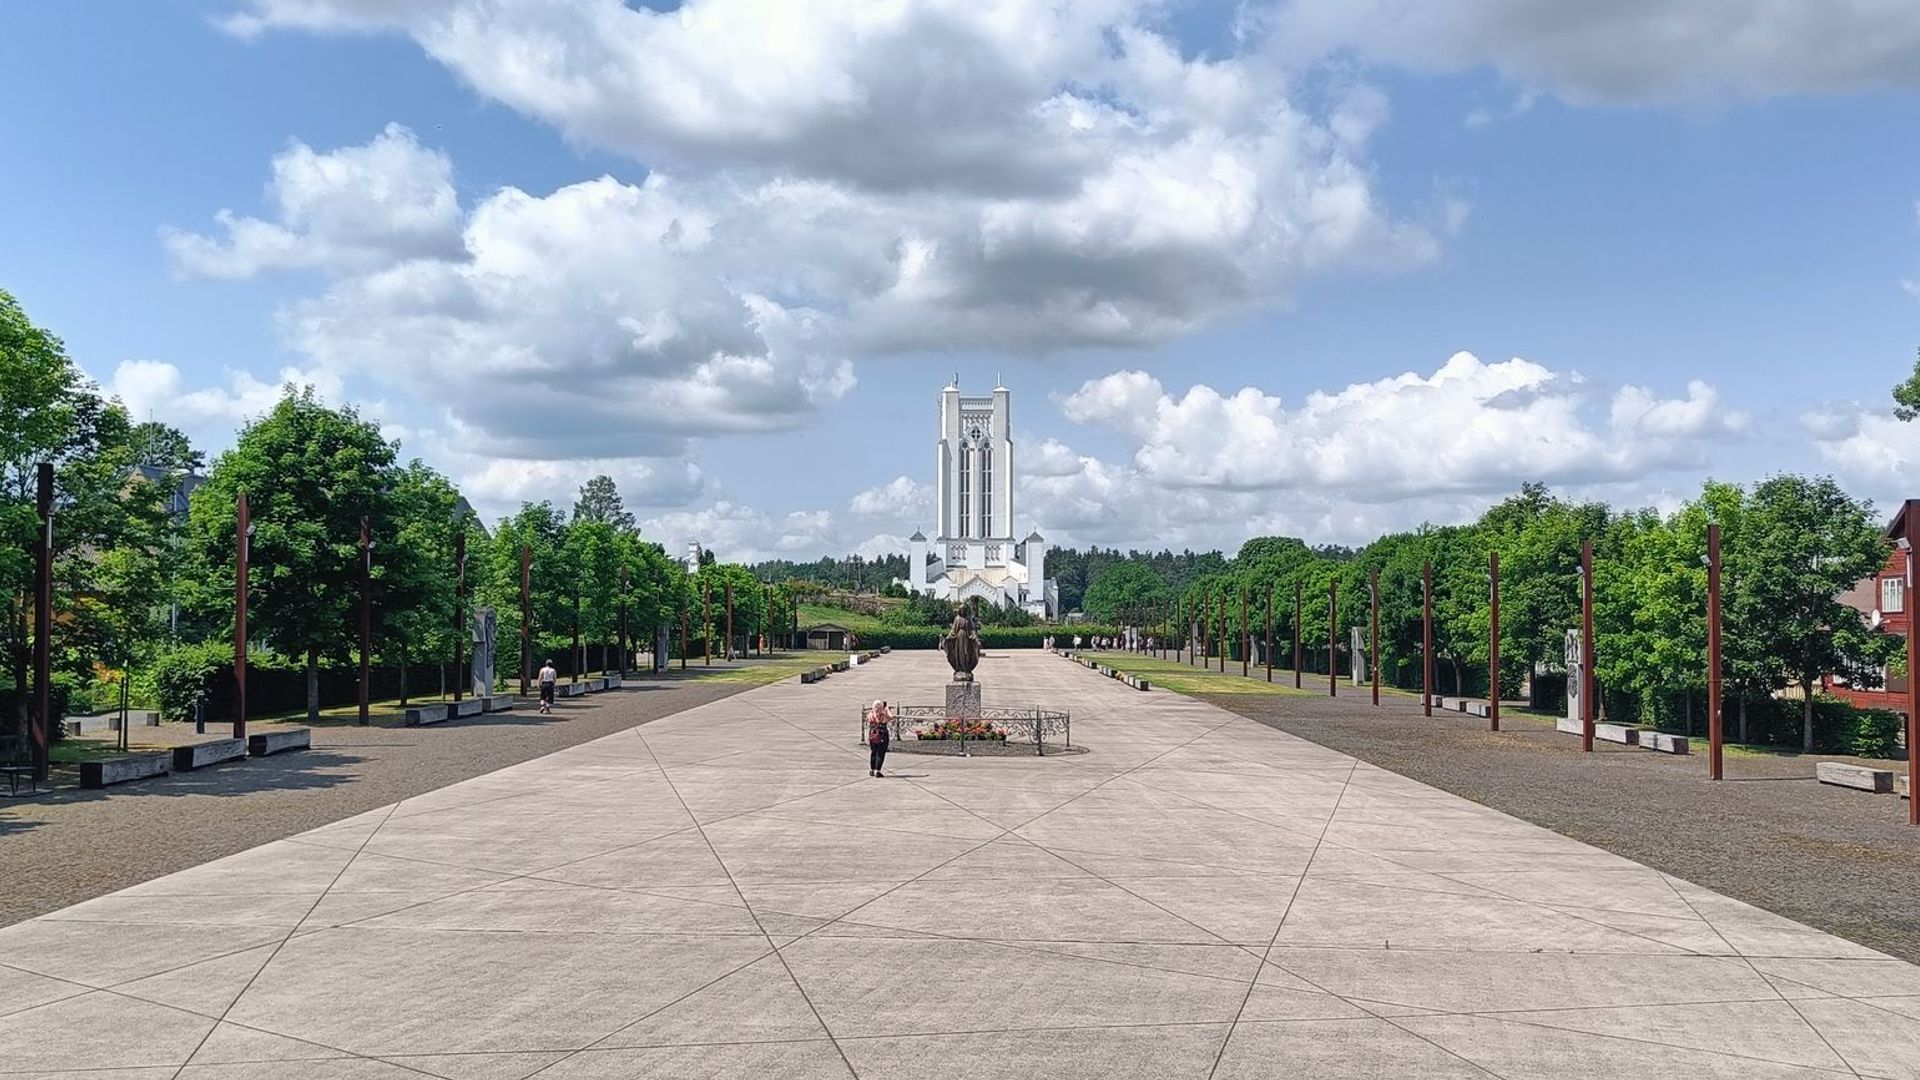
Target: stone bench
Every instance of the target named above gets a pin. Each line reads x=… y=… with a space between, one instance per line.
x=1479 y=708
x=1664 y=742
x=838 y=665
x=814 y=676
x=212 y=752
x=1617 y=733
x=422 y=715
x=886 y=649
x=1900 y=785
x=569 y=689
x=120 y=770
x=612 y=682
x=280 y=741
x=466 y=707
x=1566 y=726
x=594 y=686
x=1841 y=774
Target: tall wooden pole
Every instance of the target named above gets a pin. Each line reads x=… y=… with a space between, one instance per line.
x=1714 y=733
x=1587 y=650
x=1373 y=639
x=366 y=617
x=459 y=585
x=1220 y=614
x=1426 y=637
x=1911 y=515
x=579 y=651
x=1333 y=638
x=625 y=639
x=729 y=649
x=1269 y=631
x=42 y=733
x=526 y=618
x=1246 y=635
x=1493 y=641
x=683 y=635
x=242 y=552
x=1296 y=635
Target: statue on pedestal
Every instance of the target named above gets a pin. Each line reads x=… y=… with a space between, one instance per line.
x=962 y=646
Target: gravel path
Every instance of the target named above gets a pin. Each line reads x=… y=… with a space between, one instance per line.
x=1840 y=860
x=72 y=845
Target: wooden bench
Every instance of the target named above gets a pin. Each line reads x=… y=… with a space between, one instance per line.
x=1841 y=774
x=212 y=752
x=101 y=772
x=280 y=741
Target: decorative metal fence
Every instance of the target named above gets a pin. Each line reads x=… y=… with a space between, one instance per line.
x=924 y=724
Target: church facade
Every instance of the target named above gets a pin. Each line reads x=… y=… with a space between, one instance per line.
x=974 y=554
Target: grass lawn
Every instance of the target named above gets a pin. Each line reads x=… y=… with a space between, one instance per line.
x=756 y=672
x=859 y=623
x=1182 y=679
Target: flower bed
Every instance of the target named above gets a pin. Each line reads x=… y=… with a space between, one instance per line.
x=973 y=730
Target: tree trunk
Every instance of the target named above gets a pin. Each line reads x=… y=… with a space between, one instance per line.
x=1688 y=697
x=1743 y=719
x=403 y=676
x=313 y=685
x=1806 y=717
x=1459 y=679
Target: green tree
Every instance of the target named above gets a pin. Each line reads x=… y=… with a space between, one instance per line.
x=49 y=412
x=1123 y=590
x=1906 y=396
x=164 y=449
x=600 y=502
x=1805 y=543
x=413 y=570
x=311 y=473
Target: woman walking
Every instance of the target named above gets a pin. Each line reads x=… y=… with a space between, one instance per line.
x=879 y=725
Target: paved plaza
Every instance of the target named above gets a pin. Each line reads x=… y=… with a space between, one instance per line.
x=725 y=893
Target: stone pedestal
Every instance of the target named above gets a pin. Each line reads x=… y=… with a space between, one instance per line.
x=963 y=700
x=484 y=627
x=1576 y=660
x=1357 y=648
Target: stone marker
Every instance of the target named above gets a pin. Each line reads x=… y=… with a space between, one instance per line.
x=119 y=770
x=484 y=627
x=1664 y=742
x=1575 y=657
x=212 y=752
x=1841 y=774
x=279 y=741
x=1617 y=733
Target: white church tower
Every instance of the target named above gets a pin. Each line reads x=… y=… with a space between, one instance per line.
x=974 y=554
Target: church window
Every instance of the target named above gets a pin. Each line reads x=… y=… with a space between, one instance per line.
x=986 y=491
x=966 y=489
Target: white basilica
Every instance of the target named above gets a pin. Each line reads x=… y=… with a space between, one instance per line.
x=975 y=555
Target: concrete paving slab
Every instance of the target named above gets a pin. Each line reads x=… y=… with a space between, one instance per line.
x=725 y=893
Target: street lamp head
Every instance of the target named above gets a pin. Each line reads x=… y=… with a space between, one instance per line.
x=1901 y=543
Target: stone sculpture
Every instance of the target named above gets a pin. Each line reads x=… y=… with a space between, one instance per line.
x=962 y=646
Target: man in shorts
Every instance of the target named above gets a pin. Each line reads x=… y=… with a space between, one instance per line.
x=548 y=677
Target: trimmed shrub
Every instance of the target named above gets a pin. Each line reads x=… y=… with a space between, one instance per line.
x=183 y=676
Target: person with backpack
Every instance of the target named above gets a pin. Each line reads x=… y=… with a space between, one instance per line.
x=879 y=733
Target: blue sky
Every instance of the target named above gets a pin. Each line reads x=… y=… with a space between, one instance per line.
x=1699 y=254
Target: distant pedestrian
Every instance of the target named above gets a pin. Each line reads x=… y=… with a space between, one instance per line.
x=879 y=734
x=548 y=677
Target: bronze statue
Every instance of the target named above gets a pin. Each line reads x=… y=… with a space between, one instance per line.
x=962 y=646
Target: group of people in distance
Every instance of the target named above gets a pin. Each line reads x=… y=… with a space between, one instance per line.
x=1129 y=639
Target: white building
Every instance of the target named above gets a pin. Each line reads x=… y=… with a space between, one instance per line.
x=975 y=555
